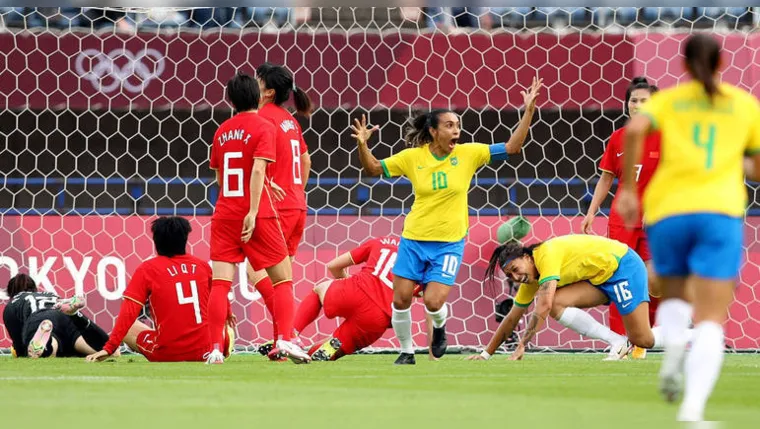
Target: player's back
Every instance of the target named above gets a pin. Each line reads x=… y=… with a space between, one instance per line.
x=376 y=276
x=289 y=146
x=18 y=310
x=703 y=145
x=238 y=141
x=178 y=289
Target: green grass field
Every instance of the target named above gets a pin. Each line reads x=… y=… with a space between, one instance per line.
x=544 y=391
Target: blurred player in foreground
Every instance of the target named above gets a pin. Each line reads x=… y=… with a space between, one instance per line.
x=40 y=324
x=432 y=243
x=694 y=209
x=244 y=224
x=177 y=285
x=569 y=273
x=363 y=300
x=611 y=165
x=289 y=173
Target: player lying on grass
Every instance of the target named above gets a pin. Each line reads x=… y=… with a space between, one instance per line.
x=432 y=243
x=40 y=324
x=290 y=173
x=569 y=273
x=363 y=300
x=178 y=287
x=245 y=224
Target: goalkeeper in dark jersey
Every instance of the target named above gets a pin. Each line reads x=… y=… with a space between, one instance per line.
x=41 y=324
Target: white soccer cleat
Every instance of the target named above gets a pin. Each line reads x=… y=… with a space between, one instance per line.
x=671 y=371
x=293 y=352
x=215 y=358
x=619 y=351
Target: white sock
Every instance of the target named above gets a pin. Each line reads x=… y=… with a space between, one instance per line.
x=702 y=370
x=401 y=320
x=439 y=317
x=584 y=324
x=673 y=316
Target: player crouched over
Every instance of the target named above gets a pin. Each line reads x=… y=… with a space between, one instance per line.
x=40 y=324
x=178 y=286
x=363 y=300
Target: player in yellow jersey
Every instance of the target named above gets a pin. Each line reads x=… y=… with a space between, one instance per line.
x=566 y=274
x=693 y=211
x=432 y=242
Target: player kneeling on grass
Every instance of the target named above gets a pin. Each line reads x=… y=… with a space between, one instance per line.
x=567 y=274
x=178 y=286
x=40 y=324
x=363 y=299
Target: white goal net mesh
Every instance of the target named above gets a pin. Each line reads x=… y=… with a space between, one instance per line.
x=106 y=119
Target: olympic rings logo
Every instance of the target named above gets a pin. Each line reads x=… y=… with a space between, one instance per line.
x=106 y=75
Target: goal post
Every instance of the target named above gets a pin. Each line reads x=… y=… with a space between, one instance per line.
x=103 y=128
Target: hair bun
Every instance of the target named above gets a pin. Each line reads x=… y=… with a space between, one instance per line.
x=639 y=79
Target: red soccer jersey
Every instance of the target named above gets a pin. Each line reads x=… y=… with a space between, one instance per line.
x=612 y=162
x=178 y=289
x=376 y=275
x=289 y=143
x=237 y=142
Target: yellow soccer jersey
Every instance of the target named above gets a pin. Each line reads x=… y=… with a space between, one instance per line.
x=570 y=259
x=440 y=211
x=703 y=146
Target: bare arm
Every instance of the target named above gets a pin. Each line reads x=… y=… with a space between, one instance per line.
x=362 y=134
x=600 y=193
x=515 y=143
x=544 y=301
x=635 y=133
x=752 y=168
x=305 y=168
x=257 y=184
x=337 y=266
x=506 y=328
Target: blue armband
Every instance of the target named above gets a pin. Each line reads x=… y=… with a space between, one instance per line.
x=498 y=152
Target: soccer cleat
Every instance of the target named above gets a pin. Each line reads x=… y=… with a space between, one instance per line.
x=215 y=358
x=327 y=350
x=275 y=355
x=40 y=339
x=70 y=306
x=619 y=351
x=638 y=353
x=405 y=359
x=293 y=352
x=439 y=343
x=671 y=372
x=266 y=348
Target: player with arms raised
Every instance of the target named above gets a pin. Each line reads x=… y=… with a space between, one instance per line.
x=244 y=224
x=178 y=286
x=611 y=165
x=432 y=244
x=694 y=209
x=291 y=171
x=363 y=299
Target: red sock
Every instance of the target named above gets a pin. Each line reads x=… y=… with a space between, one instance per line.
x=284 y=307
x=265 y=288
x=307 y=312
x=217 y=311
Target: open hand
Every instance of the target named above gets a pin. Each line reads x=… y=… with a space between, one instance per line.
x=277 y=192
x=518 y=353
x=531 y=94
x=360 y=131
x=97 y=356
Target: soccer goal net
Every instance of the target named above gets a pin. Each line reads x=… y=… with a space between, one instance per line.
x=106 y=117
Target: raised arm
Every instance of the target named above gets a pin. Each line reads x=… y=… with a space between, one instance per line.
x=544 y=301
x=601 y=191
x=515 y=143
x=362 y=134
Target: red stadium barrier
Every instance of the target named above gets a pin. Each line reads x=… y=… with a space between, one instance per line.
x=96 y=256
x=113 y=71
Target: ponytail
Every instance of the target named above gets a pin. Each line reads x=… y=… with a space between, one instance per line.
x=504 y=254
x=702 y=54
x=419 y=133
x=302 y=101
